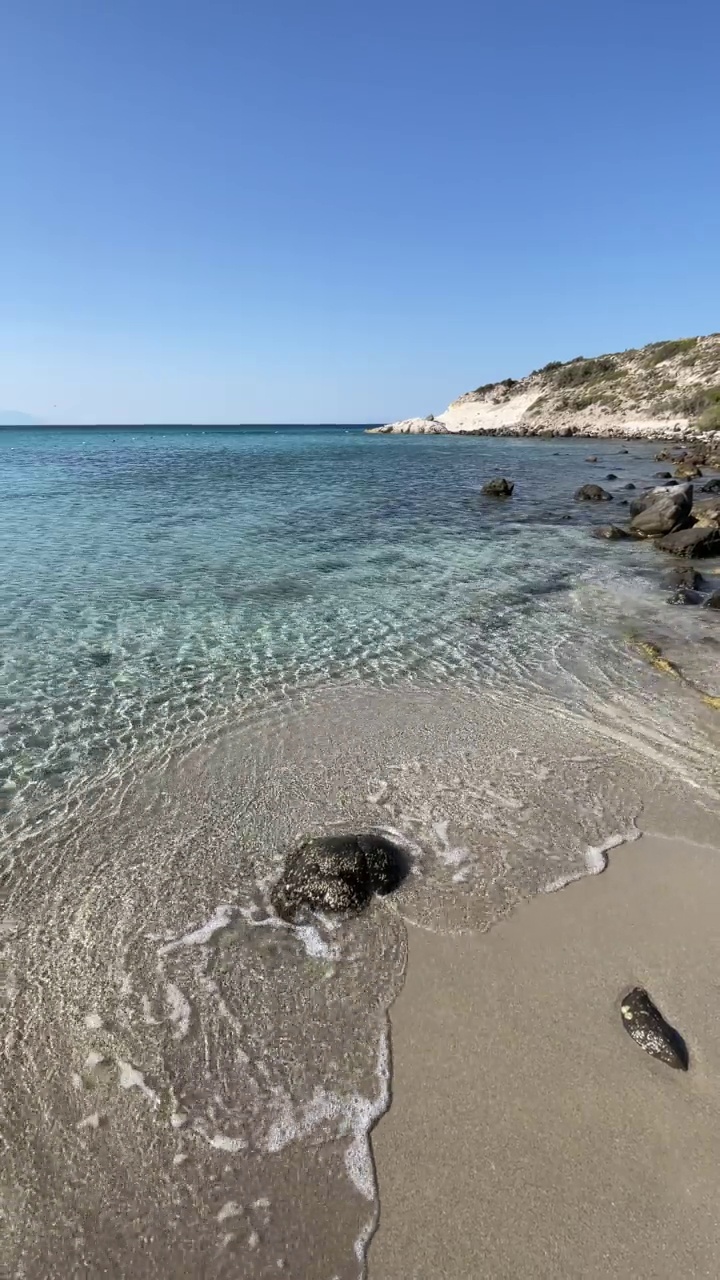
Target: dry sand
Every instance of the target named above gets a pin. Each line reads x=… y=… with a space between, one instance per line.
x=528 y=1135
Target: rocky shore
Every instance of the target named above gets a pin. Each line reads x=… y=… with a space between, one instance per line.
x=664 y=391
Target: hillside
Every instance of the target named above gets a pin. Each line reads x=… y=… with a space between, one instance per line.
x=667 y=390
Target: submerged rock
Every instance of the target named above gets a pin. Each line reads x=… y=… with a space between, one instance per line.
x=647 y=1027
x=592 y=493
x=338 y=873
x=630 y=486
x=663 y=475
x=661 y=511
x=611 y=532
x=500 y=488
x=611 y=476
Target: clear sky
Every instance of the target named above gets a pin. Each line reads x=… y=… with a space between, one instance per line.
x=311 y=210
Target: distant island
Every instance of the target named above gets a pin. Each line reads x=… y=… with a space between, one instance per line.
x=666 y=391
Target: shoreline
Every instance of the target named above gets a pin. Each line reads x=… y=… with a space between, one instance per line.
x=625 y=432
x=526 y=1129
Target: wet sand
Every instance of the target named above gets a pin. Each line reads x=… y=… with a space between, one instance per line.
x=528 y=1135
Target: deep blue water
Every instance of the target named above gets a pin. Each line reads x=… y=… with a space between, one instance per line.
x=153 y=580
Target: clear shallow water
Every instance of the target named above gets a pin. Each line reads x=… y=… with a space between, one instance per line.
x=212 y=643
x=153 y=582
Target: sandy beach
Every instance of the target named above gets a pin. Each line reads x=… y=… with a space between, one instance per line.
x=528 y=1135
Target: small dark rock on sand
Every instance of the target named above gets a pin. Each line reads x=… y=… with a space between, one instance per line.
x=647 y=1027
x=592 y=493
x=500 y=488
x=338 y=873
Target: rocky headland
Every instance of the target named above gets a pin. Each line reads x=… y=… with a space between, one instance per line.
x=665 y=391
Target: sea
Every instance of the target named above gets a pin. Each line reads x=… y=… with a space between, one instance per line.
x=214 y=641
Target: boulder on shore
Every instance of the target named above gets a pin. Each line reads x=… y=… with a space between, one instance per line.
x=338 y=873
x=697 y=541
x=661 y=511
x=712 y=486
x=500 y=488
x=592 y=493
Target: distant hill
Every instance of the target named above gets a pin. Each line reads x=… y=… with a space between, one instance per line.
x=14 y=418
x=663 y=390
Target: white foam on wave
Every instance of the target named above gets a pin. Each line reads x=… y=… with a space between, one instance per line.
x=201 y=936
x=180 y=1010
x=130 y=1078
x=595 y=858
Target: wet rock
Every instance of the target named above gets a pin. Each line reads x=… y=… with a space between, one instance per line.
x=500 y=488
x=611 y=532
x=695 y=542
x=611 y=476
x=713 y=601
x=338 y=873
x=712 y=486
x=707 y=514
x=687 y=471
x=645 y=1024
x=685 y=596
x=663 y=475
x=683 y=575
x=592 y=458
x=629 y=486
x=592 y=493
x=661 y=511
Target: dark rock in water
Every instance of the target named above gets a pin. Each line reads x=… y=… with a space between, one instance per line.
x=338 y=873
x=592 y=493
x=661 y=511
x=713 y=601
x=611 y=532
x=698 y=541
x=647 y=1027
x=611 y=476
x=623 y=451
x=663 y=475
x=683 y=575
x=500 y=488
x=100 y=657
x=686 y=596
x=629 y=486
x=712 y=486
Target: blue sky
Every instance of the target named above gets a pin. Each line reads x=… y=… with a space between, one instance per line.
x=320 y=211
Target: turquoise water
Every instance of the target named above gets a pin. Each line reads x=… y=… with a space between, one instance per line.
x=153 y=581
